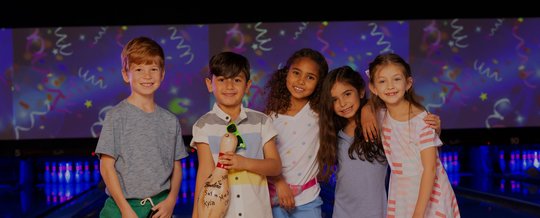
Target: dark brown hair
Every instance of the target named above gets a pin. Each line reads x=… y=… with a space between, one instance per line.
x=229 y=65
x=330 y=124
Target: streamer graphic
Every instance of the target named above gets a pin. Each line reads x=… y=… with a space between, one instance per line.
x=32 y=115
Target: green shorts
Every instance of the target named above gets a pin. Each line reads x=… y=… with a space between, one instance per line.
x=110 y=209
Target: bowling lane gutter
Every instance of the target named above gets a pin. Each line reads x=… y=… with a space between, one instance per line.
x=502 y=201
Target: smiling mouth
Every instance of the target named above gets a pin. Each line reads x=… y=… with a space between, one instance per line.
x=298 y=89
x=147 y=84
x=346 y=110
x=391 y=93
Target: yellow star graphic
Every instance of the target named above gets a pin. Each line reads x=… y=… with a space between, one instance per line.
x=483 y=96
x=88 y=103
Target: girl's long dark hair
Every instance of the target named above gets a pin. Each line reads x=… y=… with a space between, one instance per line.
x=279 y=97
x=330 y=124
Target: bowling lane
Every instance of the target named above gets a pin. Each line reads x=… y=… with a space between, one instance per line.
x=472 y=203
x=507 y=187
x=45 y=184
x=504 y=190
x=480 y=207
x=90 y=203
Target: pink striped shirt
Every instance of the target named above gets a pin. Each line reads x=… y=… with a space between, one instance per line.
x=402 y=142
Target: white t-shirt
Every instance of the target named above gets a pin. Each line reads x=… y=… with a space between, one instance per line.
x=298 y=143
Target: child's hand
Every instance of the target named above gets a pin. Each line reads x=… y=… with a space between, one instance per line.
x=232 y=161
x=285 y=195
x=369 y=124
x=129 y=214
x=164 y=208
x=434 y=122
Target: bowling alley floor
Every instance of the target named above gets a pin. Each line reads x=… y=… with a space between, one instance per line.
x=479 y=195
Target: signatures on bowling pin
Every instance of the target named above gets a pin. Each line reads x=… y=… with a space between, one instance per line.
x=214 y=194
x=217 y=184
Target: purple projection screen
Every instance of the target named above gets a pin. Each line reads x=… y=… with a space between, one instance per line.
x=58 y=82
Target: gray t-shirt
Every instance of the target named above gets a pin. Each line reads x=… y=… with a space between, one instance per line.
x=360 y=185
x=144 y=145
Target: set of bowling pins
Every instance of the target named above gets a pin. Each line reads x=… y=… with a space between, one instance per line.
x=71 y=171
x=65 y=179
x=518 y=161
x=56 y=193
x=189 y=171
x=450 y=161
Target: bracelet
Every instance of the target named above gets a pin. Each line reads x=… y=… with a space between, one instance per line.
x=220 y=165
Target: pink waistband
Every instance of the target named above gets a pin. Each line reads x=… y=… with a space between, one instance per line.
x=309 y=184
x=296 y=189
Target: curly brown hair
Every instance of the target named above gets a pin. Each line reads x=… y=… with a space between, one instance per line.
x=279 y=97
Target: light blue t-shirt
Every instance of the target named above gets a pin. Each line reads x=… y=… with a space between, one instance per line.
x=360 y=185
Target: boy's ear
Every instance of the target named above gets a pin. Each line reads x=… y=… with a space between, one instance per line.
x=125 y=76
x=248 y=86
x=162 y=75
x=208 y=84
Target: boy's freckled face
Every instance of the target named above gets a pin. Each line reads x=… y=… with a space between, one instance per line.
x=228 y=91
x=144 y=79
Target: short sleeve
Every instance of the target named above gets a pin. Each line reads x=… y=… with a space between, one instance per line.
x=199 y=136
x=180 y=147
x=106 y=143
x=428 y=138
x=267 y=130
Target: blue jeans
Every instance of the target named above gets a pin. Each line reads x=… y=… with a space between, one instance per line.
x=309 y=210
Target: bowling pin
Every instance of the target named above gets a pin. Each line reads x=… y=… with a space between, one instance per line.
x=78 y=171
x=214 y=197
x=184 y=169
x=61 y=171
x=68 y=172
x=502 y=161
x=535 y=162
x=47 y=173
x=95 y=172
x=86 y=172
x=54 y=175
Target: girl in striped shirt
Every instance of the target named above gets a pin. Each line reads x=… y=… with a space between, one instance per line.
x=419 y=186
